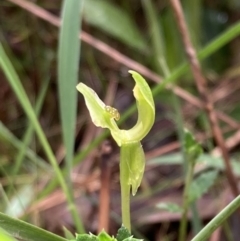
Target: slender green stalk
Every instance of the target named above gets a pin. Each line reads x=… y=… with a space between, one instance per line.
x=227 y=231
x=125 y=206
x=125 y=191
x=9 y=138
x=132 y=164
x=3 y=194
x=196 y=220
x=28 y=135
x=218 y=220
x=188 y=180
x=155 y=32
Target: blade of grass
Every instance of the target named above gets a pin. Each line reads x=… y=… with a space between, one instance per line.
x=68 y=62
x=17 y=87
x=115 y=21
x=25 y=231
x=218 y=220
x=193 y=11
x=29 y=133
x=3 y=195
x=174 y=52
x=16 y=143
x=157 y=39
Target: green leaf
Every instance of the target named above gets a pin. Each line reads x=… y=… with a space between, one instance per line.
x=68 y=234
x=86 y=237
x=193 y=12
x=168 y=159
x=122 y=234
x=68 y=62
x=132 y=164
x=103 y=236
x=132 y=239
x=171 y=207
x=156 y=36
x=192 y=148
x=22 y=230
x=201 y=184
x=206 y=161
x=114 y=21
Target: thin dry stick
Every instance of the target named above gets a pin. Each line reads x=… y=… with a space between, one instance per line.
x=104 y=205
x=105 y=167
x=202 y=88
x=119 y=57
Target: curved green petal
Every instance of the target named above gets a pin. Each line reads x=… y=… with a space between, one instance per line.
x=98 y=112
x=146 y=110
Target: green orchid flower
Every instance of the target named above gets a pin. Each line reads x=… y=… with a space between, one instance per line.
x=105 y=116
x=132 y=160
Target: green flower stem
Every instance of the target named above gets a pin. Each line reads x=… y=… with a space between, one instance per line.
x=125 y=189
x=188 y=180
x=125 y=206
x=132 y=158
x=132 y=164
x=218 y=220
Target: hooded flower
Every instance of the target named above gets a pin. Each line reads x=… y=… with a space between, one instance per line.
x=129 y=140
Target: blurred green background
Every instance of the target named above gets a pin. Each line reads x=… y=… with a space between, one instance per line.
x=116 y=33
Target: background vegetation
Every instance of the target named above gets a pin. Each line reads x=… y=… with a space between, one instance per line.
x=116 y=36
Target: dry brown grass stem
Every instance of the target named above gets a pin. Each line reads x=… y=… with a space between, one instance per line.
x=203 y=90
